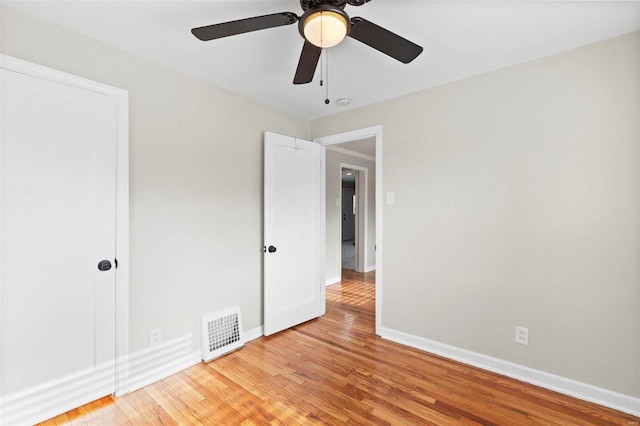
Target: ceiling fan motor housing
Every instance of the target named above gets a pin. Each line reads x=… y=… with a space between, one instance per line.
x=312 y=4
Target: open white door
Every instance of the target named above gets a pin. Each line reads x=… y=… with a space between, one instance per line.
x=293 y=223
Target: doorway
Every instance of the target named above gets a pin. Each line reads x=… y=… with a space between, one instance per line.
x=345 y=143
x=357 y=242
x=349 y=218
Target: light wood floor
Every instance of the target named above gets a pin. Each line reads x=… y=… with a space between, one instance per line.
x=334 y=370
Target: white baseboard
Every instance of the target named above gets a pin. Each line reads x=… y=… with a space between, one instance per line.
x=253 y=334
x=48 y=400
x=370 y=268
x=332 y=281
x=142 y=368
x=43 y=402
x=156 y=363
x=584 y=391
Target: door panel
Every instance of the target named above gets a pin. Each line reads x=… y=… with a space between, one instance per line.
x=292 y=225
x=58 y=162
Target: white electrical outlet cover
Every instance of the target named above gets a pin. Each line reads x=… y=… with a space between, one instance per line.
x=522 y=335
x=155 y=337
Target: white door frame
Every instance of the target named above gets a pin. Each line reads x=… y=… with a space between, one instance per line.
x=375 y=132
x=122 y=195
x=362 y=216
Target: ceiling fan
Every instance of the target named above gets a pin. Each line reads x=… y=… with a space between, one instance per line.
x=323 y=24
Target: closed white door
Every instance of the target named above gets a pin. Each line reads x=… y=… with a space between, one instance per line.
x=293 y=253
x=58 y=201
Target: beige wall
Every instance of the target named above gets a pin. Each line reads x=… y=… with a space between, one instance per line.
x=334 y=213
x=516 y=203
x=195 y=179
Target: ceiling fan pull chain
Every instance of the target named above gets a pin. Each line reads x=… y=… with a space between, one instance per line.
x=326 y=100
x=321 y=70
x=321 y=65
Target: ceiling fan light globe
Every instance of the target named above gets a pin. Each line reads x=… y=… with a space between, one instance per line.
x=325 y=28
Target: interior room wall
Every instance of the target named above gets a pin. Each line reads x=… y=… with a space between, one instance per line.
x=334 y=212
x=516 y=203
x=195 y=180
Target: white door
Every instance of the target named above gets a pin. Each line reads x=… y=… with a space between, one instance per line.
x=293 y=254
x=58 y=200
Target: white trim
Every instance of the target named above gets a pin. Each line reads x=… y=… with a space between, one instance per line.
x=351 y=153
x=350 y=135
x=122 y=241
x=363 y=200
x=370 y=268
x=1 y=132
x=332 y=281
x=323 y=231
x=47 y=400
x=566 y=386
x=253 y=334
x=374 y=131
x=28 y=68
x=152 y=364
x=122 y=188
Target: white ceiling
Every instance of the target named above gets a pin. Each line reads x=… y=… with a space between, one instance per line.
x=460 y=39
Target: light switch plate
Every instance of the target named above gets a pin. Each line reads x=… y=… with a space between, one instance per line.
x=391 y=197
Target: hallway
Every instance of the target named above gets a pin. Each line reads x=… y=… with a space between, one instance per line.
x=348 y=255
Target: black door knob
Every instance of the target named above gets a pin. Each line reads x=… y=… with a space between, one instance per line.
x=104 y=265
x=271 y=249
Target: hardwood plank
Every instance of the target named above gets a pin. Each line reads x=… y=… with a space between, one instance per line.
x=153 y=412
x=277 y=389
x=335 y=370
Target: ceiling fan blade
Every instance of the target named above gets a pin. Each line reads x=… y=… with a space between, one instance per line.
x=384 y=40
x=307 y=64
x=225 y=29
